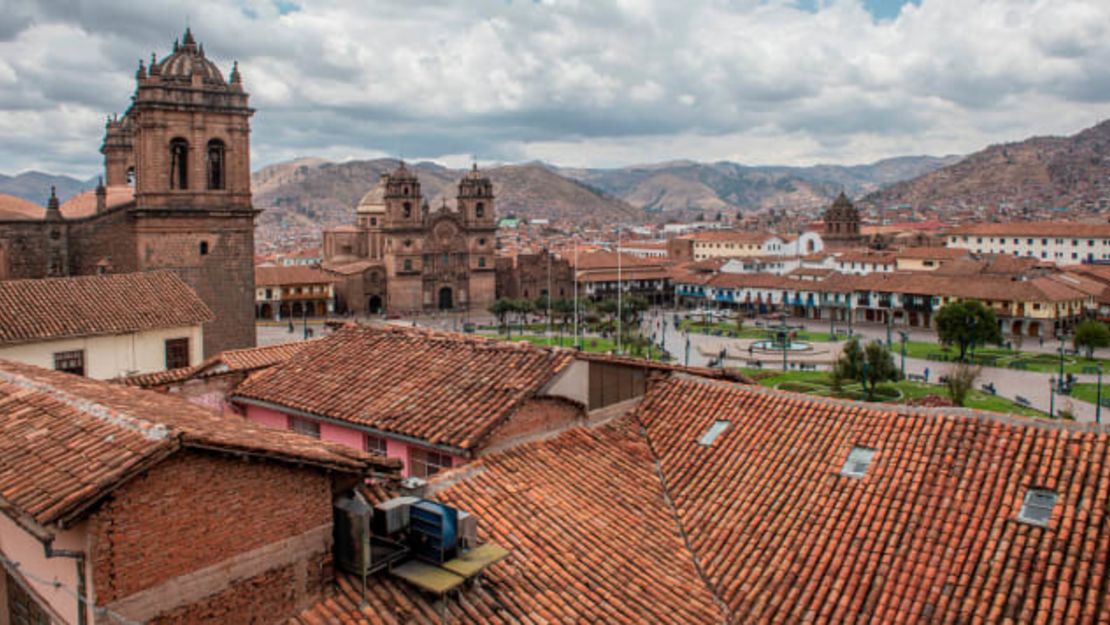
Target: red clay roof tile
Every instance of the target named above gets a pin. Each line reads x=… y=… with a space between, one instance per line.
x=51 y=308
x=445 y=389
x=66 y=440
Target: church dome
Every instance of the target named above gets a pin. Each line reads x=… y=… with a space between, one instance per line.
x=186 y=61
x=374 y=200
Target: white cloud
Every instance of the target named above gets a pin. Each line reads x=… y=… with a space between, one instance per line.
x=599 y=82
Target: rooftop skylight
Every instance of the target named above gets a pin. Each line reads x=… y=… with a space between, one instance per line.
x=713 y=432
x=858 y=461
x=1037 y=509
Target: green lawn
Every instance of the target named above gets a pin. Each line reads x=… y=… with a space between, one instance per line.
x=589 y=343
x=1088 y=392
x=998 y=357
x=817 y=383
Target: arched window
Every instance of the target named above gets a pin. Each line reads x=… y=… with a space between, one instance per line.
x=408 y=265
x=131 y=176
x=179 y=164
x=406 y=210
x=216 y=164
x=480 y=209
x=204 y=248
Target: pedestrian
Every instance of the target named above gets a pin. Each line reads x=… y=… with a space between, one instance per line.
x=926 y=375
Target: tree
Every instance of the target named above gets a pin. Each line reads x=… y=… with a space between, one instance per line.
x=562 y=309
x=870 y=364
x=738 y=319
x=523 y=308
x=1090 y=334
x=965 y=324
x=959 y=381
x=501 y=309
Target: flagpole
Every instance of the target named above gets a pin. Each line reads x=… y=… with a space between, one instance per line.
x=620 y=310
x=575 y=276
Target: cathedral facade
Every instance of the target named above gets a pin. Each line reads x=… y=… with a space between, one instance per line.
x=403 y=257
x=175 y=195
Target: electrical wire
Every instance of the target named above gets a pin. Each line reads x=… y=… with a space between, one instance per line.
x=58 y=586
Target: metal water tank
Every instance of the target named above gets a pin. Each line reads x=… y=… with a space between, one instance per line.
x=351 y=531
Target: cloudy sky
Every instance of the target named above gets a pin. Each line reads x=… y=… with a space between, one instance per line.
x=575 y=82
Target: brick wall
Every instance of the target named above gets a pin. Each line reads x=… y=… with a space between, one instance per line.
x=535 y=417
x=196 y=510
x=265 y=598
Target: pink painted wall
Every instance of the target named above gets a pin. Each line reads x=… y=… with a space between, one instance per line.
x=265 y=416
x=343 y=435
x=18 y=545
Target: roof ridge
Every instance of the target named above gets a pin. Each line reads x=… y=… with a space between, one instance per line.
x=147 y=429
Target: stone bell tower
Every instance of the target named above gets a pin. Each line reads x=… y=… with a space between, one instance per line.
x=184 y=145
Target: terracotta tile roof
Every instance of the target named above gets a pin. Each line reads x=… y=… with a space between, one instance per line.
x=17 y=208
x=296 y=274
x=608 y=260
x=52 y=308
x=65 y=441
x=591 y=540
x=626 y=273
x=446 y=389
x=1034 y=229
x=928 y=535
x=633 y=522
x=231 y=361
x=84 y=204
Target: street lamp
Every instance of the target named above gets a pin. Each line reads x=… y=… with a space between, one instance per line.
x=1061 y=379
x=1098 y=399
x=889 y=319
x=687 y=349
x=863 y=380
x=905 y=337
x=1052 y=397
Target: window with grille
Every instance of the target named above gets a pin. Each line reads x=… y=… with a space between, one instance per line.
x=375 y=444
x=307 y=427
x=70 y=362
x=425 y=463
x=177 y=353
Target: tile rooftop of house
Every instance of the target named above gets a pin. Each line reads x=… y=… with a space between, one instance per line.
x=723 y=503
x=53 y=308
x=242 y=360
x=445 y=389
x=66 y=441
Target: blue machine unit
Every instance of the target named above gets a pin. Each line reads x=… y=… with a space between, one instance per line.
x=433 y=531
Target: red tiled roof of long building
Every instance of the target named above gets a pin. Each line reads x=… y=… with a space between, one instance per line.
x=592 y=540
x=929 y=534
x=50 y=308
x=66 y=441
x=445 y=389
x=768 y=524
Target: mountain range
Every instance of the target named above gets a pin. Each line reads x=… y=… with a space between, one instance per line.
x=1036 y=174
x=301 y=196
